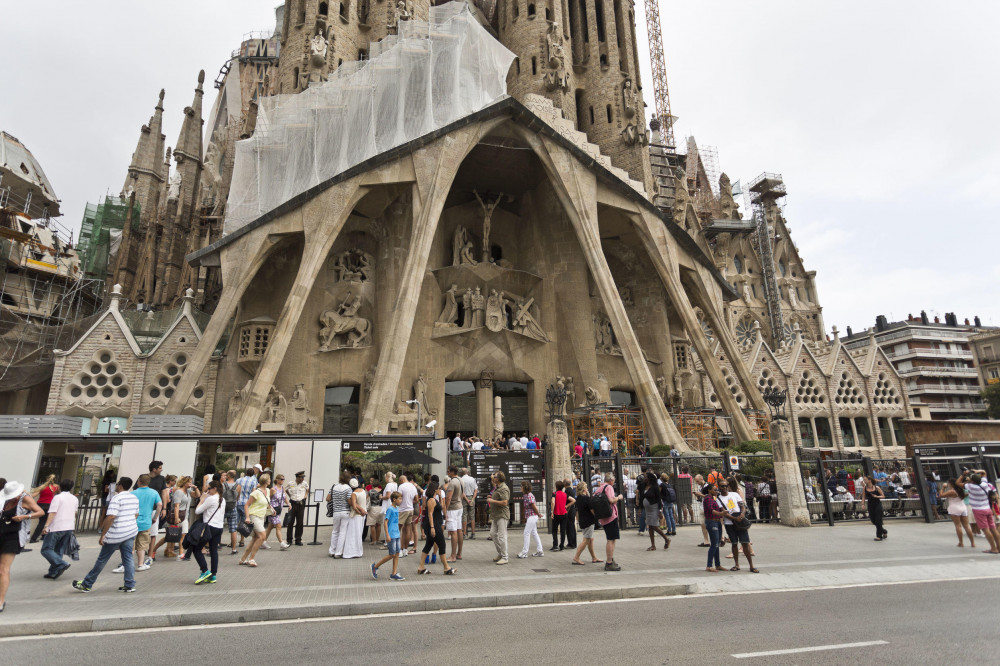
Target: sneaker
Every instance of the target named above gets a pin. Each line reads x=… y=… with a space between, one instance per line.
x=119 y=569
x=205 y=575
x=148 y=563
x=502 y=561
x=61 y=571
x=612 y=566
x=520 y=556
x=402 y=553
x=78 y=585
x=126 y=589
x=211 y=579
x=497 y=558
x=396 y=577
x=538 y=554
x=374 y=572
x=284 y=545
x=143 y=567
x=265 y=546
x=434 y=558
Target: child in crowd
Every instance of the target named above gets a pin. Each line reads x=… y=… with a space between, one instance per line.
x=392 y=527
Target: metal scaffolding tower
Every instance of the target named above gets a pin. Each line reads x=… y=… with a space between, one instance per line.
x=765 y=190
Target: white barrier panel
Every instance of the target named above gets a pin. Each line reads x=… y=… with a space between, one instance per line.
x=324 y=472
x=291 y=457
x=19 y=458
x=177 y=457
x=136 y=456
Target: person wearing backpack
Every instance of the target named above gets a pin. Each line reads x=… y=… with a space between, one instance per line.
x=651 y=506
x=668 y=498
x=764 y=500
x=230 y=495
x=605 y=508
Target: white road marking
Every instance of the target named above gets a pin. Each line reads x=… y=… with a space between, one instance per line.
x=491 y=609
x=815 y=648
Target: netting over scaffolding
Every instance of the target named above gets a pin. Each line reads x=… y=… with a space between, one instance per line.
x=100 y=234
x=430 y=74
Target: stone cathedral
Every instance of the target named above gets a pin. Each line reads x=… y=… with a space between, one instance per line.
x=408 y=212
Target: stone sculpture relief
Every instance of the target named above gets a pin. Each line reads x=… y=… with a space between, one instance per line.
x=604 y=335
x=174 y=186
x=488 y=209
x=364 y=8
x=462 y=249
x=449 y=313
x=343 y=327
x=727 y=203
x=275 y=407
x=556 y=77
x=593 y=397
x=496 y=321
x=632 y=134
x=522 y=320
x=298 y=413
x=629 y=100
x=420 y=395
x=236 y=403
x=570 y=391
x=353 y=266
x=625 y=293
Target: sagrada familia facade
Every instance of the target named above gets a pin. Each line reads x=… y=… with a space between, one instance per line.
x=403 y=212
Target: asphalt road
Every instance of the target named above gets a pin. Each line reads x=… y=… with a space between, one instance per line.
x=940 y=622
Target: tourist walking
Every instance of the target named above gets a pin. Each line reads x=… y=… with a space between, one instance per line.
x=978 y=490
x=298 y=495
x=58 y=529
x=874 y=497
x=279 y=502
x=558 y=512
x=247 y=484
x=211 y=510
x=499 y=516
x=668 y=498
x=530 y=522
x=587 y=521
x=18 y=510
x=43 y=495
x=736 y=510
x=609 y=523
x=166 y=499
x=231 y=496
x=150 y=506
x=714 y=513
x=433 y=523
x=630 y=499
x=570 y=523
x=354 y=540
x=255 y=513
x=181 y=498
x=392 y=534
x=453 y=515
x=958 y=512
x=470 y=490
x=118 y=533
x=652 y=507
x=338 y=505
x=408 y=492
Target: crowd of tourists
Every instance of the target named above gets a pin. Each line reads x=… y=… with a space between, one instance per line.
x=515 y=442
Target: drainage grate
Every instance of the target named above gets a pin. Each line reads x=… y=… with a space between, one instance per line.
x=541 y=570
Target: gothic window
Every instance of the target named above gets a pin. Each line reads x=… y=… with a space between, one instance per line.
x=100 y=379
x=848 y=394
x=885 y=393
x=745 y=333
x=766 y=380
x=810 y=391
x=534 y=65
x=599 y=8
x=323 y=8
x=345 y=7
x=609 y=113
x=782 y=267
x=705 y=326
x=531 y=11
x=733 y=386
x=591 y=115
x=585 y=24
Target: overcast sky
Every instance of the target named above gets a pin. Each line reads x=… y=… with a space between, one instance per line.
x=881 y=116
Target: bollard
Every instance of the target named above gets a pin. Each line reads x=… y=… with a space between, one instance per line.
x=315 y=541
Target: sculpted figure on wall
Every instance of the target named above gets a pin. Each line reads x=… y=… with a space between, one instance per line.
x=478 y=309
x=488 y=209
x=276 y=407
x=496 y=319
x=462 y=249
x=522 y=319
x=632 y=134
x=353 y=266
x=593 y=397
x=174 y=186
x=570 y=392
x=449 y=313
x=556 y=77
x=236 y=403
x=604 y=335
x=629 y=100
x=420 y=395
x=343 y=327
x=728 y=204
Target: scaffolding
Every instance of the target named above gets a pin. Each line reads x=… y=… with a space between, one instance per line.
x=623 y=426
x=765 y=190
x=710 y=429
x=100 y=235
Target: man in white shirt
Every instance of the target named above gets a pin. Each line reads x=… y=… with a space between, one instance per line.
x=470 y=489
x=477 y=445
x=515 y=444
x=524 y=440
x=630 y=486
x=117 y=535
x=59 y=528
x=407 y=530
x=605 y=447
x=456 y=444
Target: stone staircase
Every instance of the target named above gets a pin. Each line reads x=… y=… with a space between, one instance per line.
x=553 y=117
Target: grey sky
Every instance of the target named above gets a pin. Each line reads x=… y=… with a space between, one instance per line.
x=881 y=116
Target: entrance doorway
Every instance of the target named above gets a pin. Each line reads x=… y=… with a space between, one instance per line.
x=460 y=407
x=513 y=406
x=340 y=410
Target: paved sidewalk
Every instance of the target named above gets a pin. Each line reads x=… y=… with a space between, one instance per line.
x=305 y=582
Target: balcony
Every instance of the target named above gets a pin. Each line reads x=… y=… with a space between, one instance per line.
x=934 y=335
x=929 y=353
x=931 y=371
x=943 y=388
x=952 y=407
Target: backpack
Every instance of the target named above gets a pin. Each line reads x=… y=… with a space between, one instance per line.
x=230 y=493
x=764 y=489
x=668 y=494
x=600 y=505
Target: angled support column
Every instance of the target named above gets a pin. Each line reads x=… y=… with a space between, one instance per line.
x=576 y=187
x=323 y=219
x=702 y=299
x=648 y=227
x=236 y=285
x=435 y=167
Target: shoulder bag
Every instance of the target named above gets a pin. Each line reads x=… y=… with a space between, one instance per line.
x=198 y=533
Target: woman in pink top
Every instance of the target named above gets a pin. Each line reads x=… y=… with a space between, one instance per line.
x=43 y=495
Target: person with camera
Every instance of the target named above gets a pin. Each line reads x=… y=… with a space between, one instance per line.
x=978 y=490
x=736 y=524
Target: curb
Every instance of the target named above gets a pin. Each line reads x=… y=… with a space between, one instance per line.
x=195 y=619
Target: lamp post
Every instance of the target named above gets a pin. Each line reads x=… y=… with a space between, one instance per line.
x=775 y=400
x=555 y=398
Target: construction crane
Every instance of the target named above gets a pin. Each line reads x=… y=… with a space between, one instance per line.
x=661 y=94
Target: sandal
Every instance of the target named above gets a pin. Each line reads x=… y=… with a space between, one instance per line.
x=423 y=572
x=251 y=563
x=243 y=563
x=704 y=545
x=581 y=564
x=450 y=572
x=651 y=548
x=596 y=561
x=754 y=570
x=666 y=544
x=734 y=569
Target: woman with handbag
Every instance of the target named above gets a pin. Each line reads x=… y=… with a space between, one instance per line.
x=651 y=506
x=211 y=511
x=714 y=513
x=279 y=502
x=180 y=498
x=18 y=508
x=256 y=511
x=354 y=543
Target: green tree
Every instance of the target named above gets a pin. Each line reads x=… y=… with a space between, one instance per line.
x=991 y=394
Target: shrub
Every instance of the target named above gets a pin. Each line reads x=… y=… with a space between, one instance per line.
x=755 y=446
x=660 y=451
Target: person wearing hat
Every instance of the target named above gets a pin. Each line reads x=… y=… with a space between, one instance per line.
x=298 y=495
x=18 y=510
x=842 y=495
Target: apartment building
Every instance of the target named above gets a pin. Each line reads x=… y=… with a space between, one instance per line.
x=986 y=353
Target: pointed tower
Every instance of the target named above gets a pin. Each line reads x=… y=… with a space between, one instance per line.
x=181 y=223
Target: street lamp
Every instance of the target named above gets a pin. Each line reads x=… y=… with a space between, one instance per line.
x=555 y=398
x=775 y=400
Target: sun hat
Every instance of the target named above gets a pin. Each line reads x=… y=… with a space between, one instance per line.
x=841 y=489
x=11 y=490
x=354 y=483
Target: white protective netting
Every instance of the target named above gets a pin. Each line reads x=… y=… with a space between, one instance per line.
x=430 y=74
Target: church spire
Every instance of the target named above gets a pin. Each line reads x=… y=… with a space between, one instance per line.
x=148 y=150
x=188 y=144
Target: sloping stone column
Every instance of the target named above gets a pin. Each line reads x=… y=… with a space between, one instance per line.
x=788 y=476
